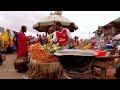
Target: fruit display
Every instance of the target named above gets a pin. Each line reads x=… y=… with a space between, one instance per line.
x=41 y=53
x=52 y=58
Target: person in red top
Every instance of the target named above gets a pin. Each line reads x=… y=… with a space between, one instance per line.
x=22 y=42
x=62 y=36
x=39 y=39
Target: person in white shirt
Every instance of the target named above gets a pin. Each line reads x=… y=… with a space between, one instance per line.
x=61 y=36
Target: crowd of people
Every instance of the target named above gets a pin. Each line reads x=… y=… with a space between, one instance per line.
x=56 y=35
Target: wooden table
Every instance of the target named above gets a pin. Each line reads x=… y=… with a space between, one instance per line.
x=103 y=62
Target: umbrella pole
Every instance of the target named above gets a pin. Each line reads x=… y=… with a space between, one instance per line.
x=46 y=34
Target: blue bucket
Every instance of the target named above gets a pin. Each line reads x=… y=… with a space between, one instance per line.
x=109 y=46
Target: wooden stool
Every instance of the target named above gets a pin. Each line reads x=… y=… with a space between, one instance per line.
x=102 y=62
x=103 y=66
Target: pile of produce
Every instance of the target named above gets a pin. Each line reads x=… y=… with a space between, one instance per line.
x=47 y=65
x=55 y=48
x=41 y=53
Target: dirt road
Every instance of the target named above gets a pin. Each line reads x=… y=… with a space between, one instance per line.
x=7 y=70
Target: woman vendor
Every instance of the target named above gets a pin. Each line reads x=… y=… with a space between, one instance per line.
x=50 y=36
x=62 y=36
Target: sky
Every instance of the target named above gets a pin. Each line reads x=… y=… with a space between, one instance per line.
x=87 y=21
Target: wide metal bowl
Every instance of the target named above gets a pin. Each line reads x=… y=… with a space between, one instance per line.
x=77 y=60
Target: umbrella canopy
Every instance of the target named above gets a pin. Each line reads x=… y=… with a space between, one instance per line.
x=44 y=24
x=117 y=37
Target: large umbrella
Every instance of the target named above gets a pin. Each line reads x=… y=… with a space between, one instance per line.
x=117 y=37
x=44 y=24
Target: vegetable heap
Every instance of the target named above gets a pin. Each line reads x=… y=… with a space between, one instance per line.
x=56 y=48
x=41 y=53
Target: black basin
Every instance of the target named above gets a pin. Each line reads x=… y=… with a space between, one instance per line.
x=75 y=59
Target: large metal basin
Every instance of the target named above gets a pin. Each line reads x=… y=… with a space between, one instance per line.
x=75 y=52
x=77 y=60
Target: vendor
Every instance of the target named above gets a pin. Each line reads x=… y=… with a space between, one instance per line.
x=22 y=42
x=62 y=36
x=76 y=42
x=81 y=42
x=50 y=35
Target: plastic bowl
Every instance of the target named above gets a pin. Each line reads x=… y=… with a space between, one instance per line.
x=101 y=53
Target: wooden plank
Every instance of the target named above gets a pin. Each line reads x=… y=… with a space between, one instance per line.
x=103 y=73
x=112 y=56
x=95 y=77
x=101 y=64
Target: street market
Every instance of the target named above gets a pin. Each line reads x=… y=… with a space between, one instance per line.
x=57 y=55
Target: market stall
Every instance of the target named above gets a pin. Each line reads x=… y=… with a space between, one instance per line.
x=43 y=64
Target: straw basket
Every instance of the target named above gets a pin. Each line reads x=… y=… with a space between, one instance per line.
x=38 y=70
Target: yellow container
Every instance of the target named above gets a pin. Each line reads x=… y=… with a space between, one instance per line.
x=6 y=35
x=87 y=46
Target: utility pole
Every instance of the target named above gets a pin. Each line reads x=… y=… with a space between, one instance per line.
x=89 y=33
x=89 y=30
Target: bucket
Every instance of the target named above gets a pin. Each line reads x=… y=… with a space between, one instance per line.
x=109 y=46
x=21 y=65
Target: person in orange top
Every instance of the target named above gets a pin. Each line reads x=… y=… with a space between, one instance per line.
x=50 y=35
x=81 y=42
x=76 y=42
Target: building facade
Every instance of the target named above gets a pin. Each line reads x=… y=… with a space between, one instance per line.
x=105 y=33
